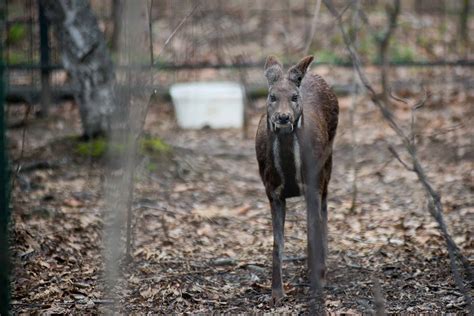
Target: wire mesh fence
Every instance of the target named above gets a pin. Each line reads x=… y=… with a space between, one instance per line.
x=218 y=34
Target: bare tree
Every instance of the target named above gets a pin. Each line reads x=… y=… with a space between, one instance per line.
x=352 y=110
x=87 y=60
x=382 y=38
x=119 y=186
x=434 y=200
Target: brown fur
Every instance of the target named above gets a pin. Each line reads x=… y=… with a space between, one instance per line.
x=317 y=108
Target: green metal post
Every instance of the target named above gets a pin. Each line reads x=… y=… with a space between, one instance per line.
x=4 y=187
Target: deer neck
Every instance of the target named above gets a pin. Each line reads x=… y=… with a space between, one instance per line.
x=286 y=158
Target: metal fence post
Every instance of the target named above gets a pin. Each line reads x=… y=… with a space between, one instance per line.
x=45 y=71
x=4 y=187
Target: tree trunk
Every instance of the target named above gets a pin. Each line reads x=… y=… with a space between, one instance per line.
x=384 y=42
x=463 y=22
x=87 y=60
x=117 y=8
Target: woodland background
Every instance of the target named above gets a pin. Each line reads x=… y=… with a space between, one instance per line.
x=200 y=235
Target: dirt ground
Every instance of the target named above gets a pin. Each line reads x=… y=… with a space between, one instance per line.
x=202 y=234
x=202 y=237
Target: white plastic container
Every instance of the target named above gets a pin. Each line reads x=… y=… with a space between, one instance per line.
x=213 y=104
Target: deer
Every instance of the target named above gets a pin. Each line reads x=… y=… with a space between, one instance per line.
x=294 y=144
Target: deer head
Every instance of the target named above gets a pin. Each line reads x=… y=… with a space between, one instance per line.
x=284 y=108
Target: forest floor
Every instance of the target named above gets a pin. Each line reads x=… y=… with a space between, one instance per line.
x=202 y=237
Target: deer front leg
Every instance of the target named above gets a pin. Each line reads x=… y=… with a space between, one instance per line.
x=316 y=240
x=278 y=222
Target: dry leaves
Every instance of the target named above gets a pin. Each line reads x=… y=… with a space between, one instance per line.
x=202 y=238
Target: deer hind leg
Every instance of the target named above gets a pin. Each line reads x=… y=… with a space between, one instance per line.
x=315 y=194
x=326 y=176
x=278 y=207
x=324 y=229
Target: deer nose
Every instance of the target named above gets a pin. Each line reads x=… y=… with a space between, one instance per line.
x=283 y=118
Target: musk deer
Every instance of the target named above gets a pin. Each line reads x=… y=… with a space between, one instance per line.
x=294 y=151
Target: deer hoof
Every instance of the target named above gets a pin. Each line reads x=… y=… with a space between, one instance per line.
x=277 y=297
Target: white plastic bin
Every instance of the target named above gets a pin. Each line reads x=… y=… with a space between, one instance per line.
x=213 y=104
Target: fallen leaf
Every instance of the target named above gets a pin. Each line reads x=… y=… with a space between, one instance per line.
x=243 y=210
x=72 y=202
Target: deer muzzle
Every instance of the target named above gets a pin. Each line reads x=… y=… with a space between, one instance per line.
x=283 y=123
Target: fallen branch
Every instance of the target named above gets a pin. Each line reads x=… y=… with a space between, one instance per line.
x=434 y=200
x=227 y=261
x=223 y=262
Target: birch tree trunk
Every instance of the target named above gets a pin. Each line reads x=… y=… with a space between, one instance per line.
x=87 y=60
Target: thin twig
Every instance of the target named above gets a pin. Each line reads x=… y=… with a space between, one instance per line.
x=384 y=41
x=23 y=139
x=346 y=7
x=170 y=37
x=414 y=108
x=395 y=97
x=422 y=101
x=247 y=103
x=354 y=96
x=150 y=31
x=365 y=19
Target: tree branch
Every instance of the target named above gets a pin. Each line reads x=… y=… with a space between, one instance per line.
x=314 y=23
x=173 y=33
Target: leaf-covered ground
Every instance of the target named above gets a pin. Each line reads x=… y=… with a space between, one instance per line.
x=202 y=234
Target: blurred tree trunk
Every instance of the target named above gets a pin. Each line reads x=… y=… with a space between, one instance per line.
x=87 y=60
x=383 y=41
x=117 y=8
x=463 y=22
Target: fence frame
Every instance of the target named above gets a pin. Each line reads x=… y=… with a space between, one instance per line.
x=5 y=187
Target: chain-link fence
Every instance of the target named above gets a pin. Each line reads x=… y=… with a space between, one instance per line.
x=222 y=37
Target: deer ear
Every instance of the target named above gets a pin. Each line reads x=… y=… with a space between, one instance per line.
x=273 y=70
x=297 y=72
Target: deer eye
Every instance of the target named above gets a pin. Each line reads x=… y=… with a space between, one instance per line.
x=294 y=98
x=272 y=98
